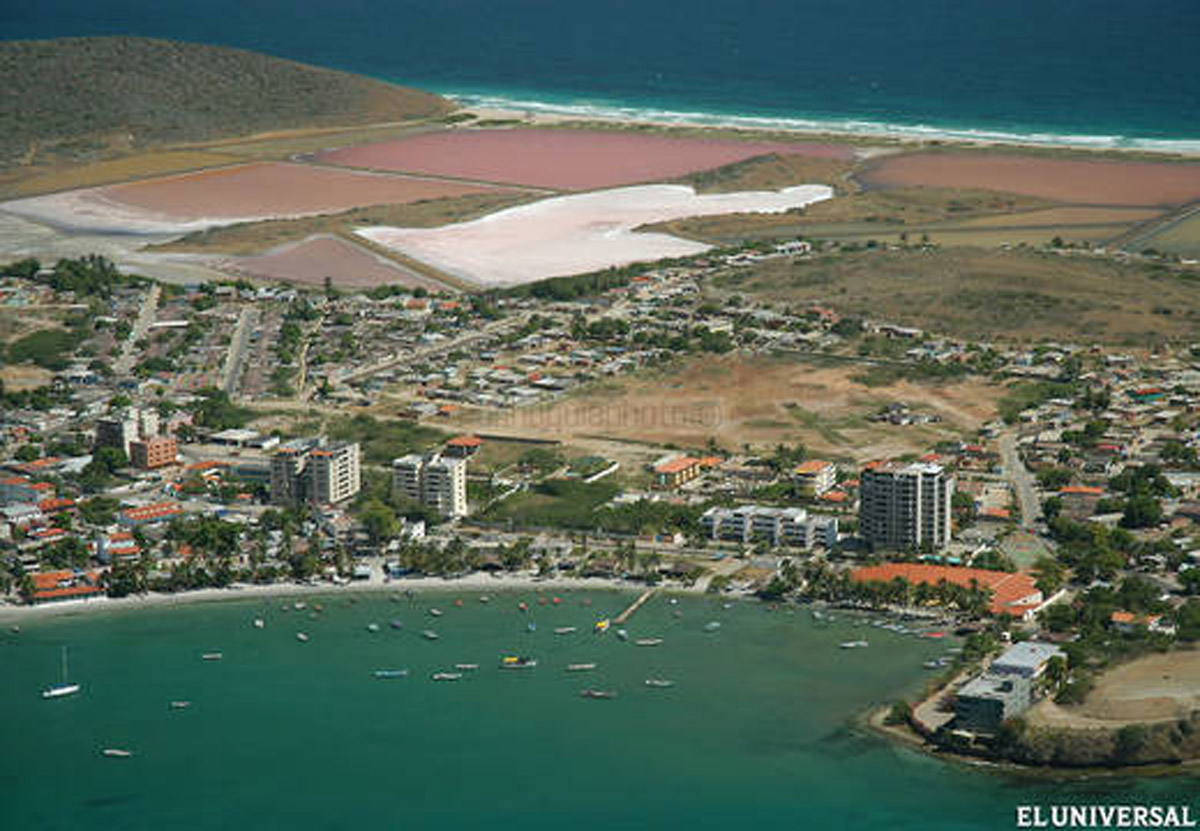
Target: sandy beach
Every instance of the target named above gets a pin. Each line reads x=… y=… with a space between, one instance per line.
x=472 y=584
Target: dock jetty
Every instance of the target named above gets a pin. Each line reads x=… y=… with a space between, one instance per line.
x=637 y=604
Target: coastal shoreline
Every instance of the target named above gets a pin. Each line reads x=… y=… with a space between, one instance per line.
x=478 y=582
x=870 y=142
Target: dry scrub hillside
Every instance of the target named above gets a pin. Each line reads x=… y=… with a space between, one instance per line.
x=84 y=98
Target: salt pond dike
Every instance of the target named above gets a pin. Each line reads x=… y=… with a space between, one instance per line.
x=755 y=733
x=77 y=97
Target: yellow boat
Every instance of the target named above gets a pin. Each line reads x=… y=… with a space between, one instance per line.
x=602 y=625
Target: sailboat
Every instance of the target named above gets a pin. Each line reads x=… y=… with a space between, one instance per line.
x=63 y=687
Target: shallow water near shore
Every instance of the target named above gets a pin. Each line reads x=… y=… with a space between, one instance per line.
x=756 y=731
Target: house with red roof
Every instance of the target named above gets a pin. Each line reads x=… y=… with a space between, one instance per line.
x=51 y=586
x=1012 y=593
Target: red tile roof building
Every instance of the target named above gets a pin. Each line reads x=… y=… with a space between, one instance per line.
x=1013 y=593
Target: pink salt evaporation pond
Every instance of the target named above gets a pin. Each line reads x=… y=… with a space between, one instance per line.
x=562 y=158
x=313 y=259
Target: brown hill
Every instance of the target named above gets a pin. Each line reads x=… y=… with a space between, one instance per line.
x=85 y=98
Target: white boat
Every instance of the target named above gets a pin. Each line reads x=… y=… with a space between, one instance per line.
x=648 y=642
x=212 y=656
x=298 y=605
x=853 y=644
x=515 y=662
x=712 y=626
x=435 y=612
x=390 y=673
x=63 y=687
x=372 y=627
x=180 y=705
x=659 y=682
x=564 y=630
x=429 y=635
x=302 y=637
x=598 y=693
x=259 y=623
x=467 y=667
x=446 y=676
x=580 y=667
x=623 y=634
x=116 y=753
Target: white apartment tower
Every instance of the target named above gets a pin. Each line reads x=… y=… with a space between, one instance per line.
x=905 y=507
x=437 y=481
x=318 y=474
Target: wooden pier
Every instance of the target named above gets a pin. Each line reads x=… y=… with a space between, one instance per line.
x=637 y=604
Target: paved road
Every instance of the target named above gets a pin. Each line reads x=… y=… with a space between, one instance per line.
x=124 y=364
x=1020 y=478
x=463 y=343
x=237 y=348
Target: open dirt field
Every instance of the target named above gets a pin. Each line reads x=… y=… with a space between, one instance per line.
x=979 y=293
x=565 y=159
x=1154 y=688
x=762 y=402
x=313 y=259
x=1066 y=180
x=18 y=378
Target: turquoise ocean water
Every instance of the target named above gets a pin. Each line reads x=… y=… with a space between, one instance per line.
x=757 y=733
x=1094 y=72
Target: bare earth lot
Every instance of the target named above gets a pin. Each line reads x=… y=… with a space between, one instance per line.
x=313 y=259
x=1154 y=688
x=758 y=401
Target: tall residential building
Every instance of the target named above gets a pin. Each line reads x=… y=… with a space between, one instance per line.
x=333 y=473
x=905 y=507
x=157 y=451
x=437 y=481
x=814 y=477
x=120 y=429
x=313 y=472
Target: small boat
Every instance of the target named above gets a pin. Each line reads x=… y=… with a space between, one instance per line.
x=302 y=637
x=396 y=624
x=317 y=607
x=531 y=627
x=389 y=673
x=180 y=705
x=435 y=612
x=517 y=662
x=259 y=623
x=430 y=635
x=589 y=693
x=523 y=606
x=580 y=667
x=446 y=676
x=299 y=605
x=458 y=602
x=542 y=601
x=660 y=683
x=116 y=753
x=467 y=667
x=483 y=598
x=372 y=627
x=63 y=687
x=564 y=630
x=602 y=626
x=931 y=665
x=853 y=644
x=726 y=605
x=16 y=630
x=556 y=600
x=587 y=601
x=212 y=656
x=712 y=626
x=648 y=642
x=623 y=634
x=933 y=634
